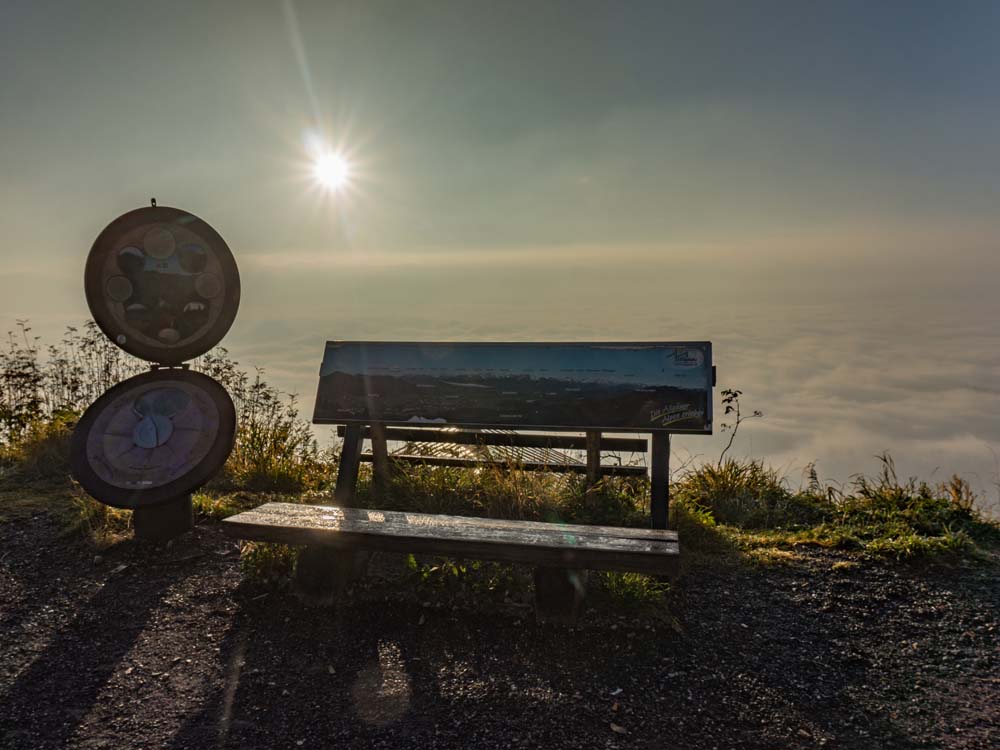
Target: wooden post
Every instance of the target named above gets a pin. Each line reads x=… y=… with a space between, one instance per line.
x=659 y=479
x=593 y=458
x=380 y=457
x=350 y=458
x=164 y=521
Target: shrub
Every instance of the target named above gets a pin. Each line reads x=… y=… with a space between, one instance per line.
x=41 y=452
x=43 y=392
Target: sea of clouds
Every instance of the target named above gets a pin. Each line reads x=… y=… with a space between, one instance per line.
x=847 y=359
x=845 y=363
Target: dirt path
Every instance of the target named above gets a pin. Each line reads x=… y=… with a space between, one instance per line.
x=157 y=648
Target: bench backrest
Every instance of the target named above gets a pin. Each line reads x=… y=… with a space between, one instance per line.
x=621 y=387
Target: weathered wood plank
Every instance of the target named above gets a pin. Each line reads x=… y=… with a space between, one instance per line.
x=291 y=510
x=517 y=440
x=471 y=463
x=529 y=543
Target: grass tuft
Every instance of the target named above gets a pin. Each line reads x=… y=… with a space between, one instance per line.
x=100 y=523
x=504 y=491
x=633 y=591
x=266 y=563
x=751 y=506
x=748 y=495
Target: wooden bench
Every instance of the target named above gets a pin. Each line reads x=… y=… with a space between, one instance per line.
x=561 y=553
x=487 y=395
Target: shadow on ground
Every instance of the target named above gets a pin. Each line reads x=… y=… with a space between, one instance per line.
x=174 y=652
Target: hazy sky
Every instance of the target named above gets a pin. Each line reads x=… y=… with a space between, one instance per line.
x=812 y=186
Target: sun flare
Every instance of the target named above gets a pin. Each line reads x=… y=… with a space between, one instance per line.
x=332 y=171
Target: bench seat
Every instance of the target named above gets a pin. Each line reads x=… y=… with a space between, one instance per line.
x=650 y=551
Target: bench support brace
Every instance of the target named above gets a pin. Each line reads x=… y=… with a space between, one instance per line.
x=593 y=458
x=559 y=594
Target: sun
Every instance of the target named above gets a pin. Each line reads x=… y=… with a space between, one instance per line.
x=332 y=171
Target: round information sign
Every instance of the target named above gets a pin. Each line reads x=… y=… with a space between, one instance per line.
x=162 y=284
x=153 y=438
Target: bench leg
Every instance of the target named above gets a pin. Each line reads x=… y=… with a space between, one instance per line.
x=381 y=470
x=659 y=479
x=323 y=573
x=347 y=473
x=559 y=594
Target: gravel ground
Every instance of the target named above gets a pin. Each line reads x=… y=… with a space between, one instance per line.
x=153 y=647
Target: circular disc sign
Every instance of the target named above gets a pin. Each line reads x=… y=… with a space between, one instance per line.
x=162 y=284
x=153 y=438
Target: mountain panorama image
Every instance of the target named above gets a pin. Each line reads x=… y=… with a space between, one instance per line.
x=646 y=386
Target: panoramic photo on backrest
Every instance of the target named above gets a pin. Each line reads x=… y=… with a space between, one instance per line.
x=615 y=386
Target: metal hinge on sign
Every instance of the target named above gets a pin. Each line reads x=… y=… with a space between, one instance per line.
x=182 y=366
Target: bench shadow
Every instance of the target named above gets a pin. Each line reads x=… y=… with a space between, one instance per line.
x=362 y=674
x=445 y=689
x=319 y=672
x=60 y=687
